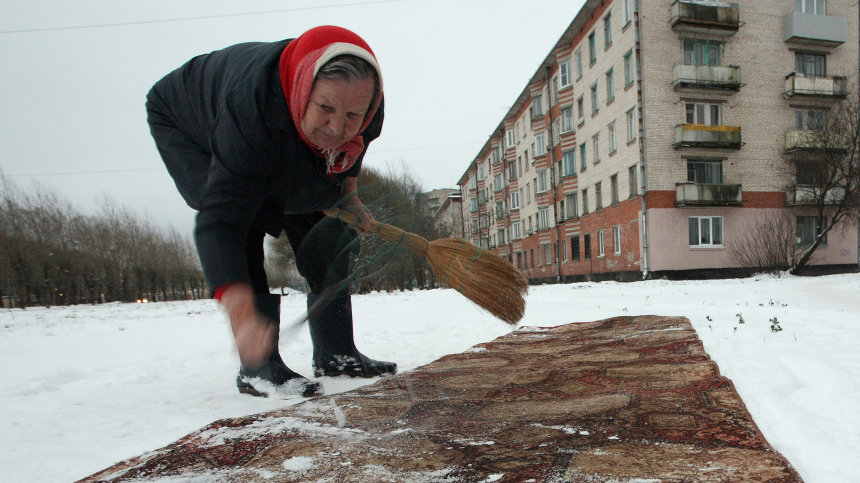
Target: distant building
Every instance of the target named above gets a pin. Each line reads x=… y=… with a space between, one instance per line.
x=445 y=207
x=650 y=140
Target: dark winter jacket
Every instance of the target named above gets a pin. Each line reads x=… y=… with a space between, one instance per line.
x=223 y=129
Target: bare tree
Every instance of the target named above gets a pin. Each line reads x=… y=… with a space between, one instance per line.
x=768 y=243
x=826 y=162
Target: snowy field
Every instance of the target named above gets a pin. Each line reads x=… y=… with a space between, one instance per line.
x=87 y=386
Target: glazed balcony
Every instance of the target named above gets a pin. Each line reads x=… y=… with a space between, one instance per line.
x=809 y=29
x=818 y=141
x=707 y=18
x=705 y=136
x=809 y=195
x=800 y=86
x=708 y=194
x=726 y=78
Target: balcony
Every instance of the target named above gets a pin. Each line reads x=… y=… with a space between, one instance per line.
x=708 y=194
x=809 y=195
x=822 y=30
x=817 y=141
x=800 y=86
x=704 y=136
x=707 y=18
x=726 y=78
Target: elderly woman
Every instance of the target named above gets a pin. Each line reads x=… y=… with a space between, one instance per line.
x=260 y=138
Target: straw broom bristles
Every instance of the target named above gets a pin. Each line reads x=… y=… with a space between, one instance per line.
x=482 y=277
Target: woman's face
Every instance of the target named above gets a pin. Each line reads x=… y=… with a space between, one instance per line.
x=336 y=111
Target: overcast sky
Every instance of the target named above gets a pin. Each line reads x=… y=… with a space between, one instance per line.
x=72 y=100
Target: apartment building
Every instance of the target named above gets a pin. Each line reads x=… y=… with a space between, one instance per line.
x=657 y=133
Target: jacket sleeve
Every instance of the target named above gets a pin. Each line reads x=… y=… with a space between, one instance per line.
x=234 y=194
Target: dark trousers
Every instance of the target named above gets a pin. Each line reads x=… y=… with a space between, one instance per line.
x=322 y=245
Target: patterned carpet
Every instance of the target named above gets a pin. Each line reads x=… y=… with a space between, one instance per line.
x=629 y=399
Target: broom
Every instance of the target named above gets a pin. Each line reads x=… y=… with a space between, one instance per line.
x=486 y=279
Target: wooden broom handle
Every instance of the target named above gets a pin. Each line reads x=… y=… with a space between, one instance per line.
x=387 y=232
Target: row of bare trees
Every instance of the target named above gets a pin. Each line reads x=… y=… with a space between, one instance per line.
x=50 y=254
x=395 y=197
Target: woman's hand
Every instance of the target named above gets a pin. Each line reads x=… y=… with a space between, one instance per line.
x=354 y=205
x=254 y=334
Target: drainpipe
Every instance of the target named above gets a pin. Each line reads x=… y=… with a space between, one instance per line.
x=641 y=132
x=503 y=154
x=555 y=252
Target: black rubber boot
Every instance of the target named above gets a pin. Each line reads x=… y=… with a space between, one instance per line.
x=334 y=347
x=275 y=372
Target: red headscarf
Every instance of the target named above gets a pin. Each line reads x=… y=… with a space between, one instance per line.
x=299 y=64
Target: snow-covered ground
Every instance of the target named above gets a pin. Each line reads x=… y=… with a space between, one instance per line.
x=84 y=387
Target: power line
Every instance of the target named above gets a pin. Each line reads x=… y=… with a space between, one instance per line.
x=85 y=172
x=205 y=17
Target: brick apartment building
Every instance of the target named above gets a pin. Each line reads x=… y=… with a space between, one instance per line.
x=656 y=133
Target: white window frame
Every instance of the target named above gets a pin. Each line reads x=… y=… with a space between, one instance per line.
x=516 y=234
x=481 y=172
x=540 y=144
x=515 y=200
x=598 y=196
x=564 y=77
x=616 y=239
x=812 y=7
x=607 y=31
x=569 y=162
x=595 y=99
x=474 y=204
x=627 y=11
x=583 y=157
x=571 y=204
x=601 y=244
x=633 y=181
x=498 y=182
x=610 y=85
x=628 y=68
x=703 y=223
x=510 y=138
x=578 y=61
x=473 y=182
x=613 y=138
x=595 y=144
x=580 y=110
x=631 y=125
x=703 y=113
x=567 y=119
x=543 y=218
x=542 y=182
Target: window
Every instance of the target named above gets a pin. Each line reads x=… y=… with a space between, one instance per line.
x=537 y=105
x=527 y=158
x=496 y=157
x=594 y=100
x=528 y=193
x=554 y=91
x=809 y=174
x=577 y=57
x=616 y=239
x=628 y=68
x=532 y=251
x=567 y=119
x=592 y=49
x=512 y=171
x=601 y=244
x=703 y=113
x=516 y=234
x=582 y=163
x=501 y=236
x=510 y=139
x=546 y=254
x=574 y=249
x=498 y=183
x=808 y=227
x=580 y=110
x=627 y=11
x=473 y=182
x=474 y=204
x=584 y=201
x=564 y=76
x=703 y=171
x=595 y=140
x=515 y=200
x=519 y=259
x=564 y=249
x=607 y=31
x=634 y=185
x=814 y=7
x=701 y=52
x=706 y=231
x=610 y=86
x=613 y=189
x=570 y=203
x=569 y=163
x=810 y=119
x=543 y=218
x=586 y=240
x=810 y=65
x=613 y=139
x=540 y=145
x=631 y=125
x=541 y=184
x=481 y=171
x=598 y=197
